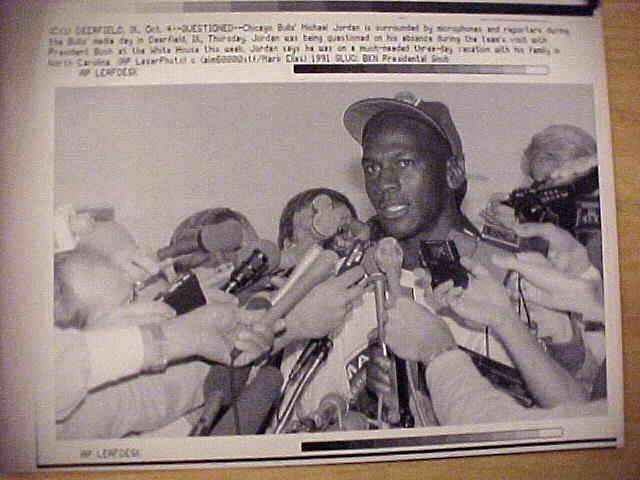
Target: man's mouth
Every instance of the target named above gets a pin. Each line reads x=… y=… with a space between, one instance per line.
x=394 y=210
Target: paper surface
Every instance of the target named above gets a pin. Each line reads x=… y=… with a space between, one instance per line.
x=161 y=113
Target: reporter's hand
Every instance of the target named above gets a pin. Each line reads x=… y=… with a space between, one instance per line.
x=253 y=338
x=553 y=288
x=484 y=301
x=414 y=333
x=378 y=376
x=213 y=330
x=565 y=252
x=324 y=309
x=497 y=213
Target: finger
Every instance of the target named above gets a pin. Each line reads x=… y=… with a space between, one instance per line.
x=278 y=281
x=380 y=387
x=452 y=293
x=251 y=317
x=377 y=374
x=468 y=309
x=248 y=341
x=348 y=278
x=533 y=258
x=279 y=326
x=190 y=260
x=147 y=308
x=543 y=276
x=354 y=293
x=442 y=292
x=144 y=261
x=224 y=315
x=474 y=267
x=419 y=273
x=382 y=362
x=251 y=344
x=264 y=331
x=218 y=296
x=555 y=235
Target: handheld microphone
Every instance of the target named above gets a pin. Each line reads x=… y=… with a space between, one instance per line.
x=314 y=269
x=225 y=236
x=388 y=257
x=296 y=288
x=253 y=404
x=264 y=257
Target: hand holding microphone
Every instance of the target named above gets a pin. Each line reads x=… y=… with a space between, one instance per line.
x=388 y=257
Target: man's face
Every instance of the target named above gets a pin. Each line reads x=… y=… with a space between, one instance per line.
x=404 y=163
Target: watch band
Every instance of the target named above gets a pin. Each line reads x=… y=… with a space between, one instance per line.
x=156 y=348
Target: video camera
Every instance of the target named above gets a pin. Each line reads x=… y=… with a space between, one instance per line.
x=558 y=205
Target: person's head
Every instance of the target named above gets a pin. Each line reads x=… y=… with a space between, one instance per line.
x=87 y=283
x=553 y=148
x=313 y=217
x=412 y=161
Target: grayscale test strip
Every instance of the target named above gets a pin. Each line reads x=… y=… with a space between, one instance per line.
x=579 y=8
x=462 y=69
x=446 y=439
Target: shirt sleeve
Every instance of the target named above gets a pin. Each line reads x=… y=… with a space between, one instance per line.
x=461 y=395
x=140 y=404
x=86 y=359
x=113 y=354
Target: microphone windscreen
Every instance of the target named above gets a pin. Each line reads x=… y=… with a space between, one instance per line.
x=224 y=236
x=388 y=255
x=253 y=404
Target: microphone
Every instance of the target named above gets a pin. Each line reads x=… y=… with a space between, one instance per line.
x=331 y=410
x=223 y=236
x=253 y=404
x=315 y=267
x=388 y=257
x=264 y=258
x=301 y=282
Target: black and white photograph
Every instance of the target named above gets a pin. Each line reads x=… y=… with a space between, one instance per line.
x=305 y=258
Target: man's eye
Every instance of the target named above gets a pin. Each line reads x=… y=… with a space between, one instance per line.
x=371 y=169
x=406 y=163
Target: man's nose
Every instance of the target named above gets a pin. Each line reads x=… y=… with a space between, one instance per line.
x=389 y=181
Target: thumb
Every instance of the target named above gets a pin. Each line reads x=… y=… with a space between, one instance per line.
x=474 y=267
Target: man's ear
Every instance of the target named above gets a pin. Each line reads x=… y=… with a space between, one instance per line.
x=455 y=173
